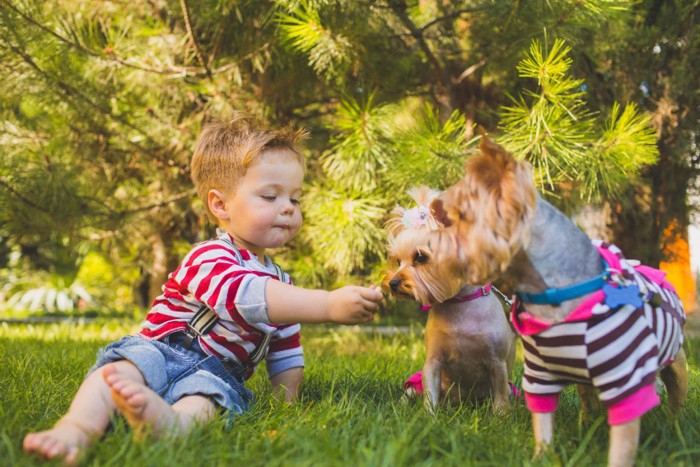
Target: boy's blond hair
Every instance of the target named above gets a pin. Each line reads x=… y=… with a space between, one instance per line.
x=225 y=150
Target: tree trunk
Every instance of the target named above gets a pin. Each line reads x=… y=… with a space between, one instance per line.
x=594 y=220
x=159 y=269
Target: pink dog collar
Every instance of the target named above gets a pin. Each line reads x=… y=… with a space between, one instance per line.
x=482 y=292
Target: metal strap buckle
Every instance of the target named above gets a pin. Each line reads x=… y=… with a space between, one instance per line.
x=259 y=353
x=200 y=324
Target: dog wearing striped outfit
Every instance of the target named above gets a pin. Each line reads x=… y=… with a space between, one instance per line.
x=585 y=313
x=470 y=347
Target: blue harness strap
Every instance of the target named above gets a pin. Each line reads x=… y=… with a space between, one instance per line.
x=556 y=296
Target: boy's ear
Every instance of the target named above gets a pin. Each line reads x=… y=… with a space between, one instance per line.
x=217 y=204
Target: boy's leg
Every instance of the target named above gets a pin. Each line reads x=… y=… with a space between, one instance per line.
x=145 y=410
x=86 y=420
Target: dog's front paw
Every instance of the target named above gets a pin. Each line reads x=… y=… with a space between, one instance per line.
x=409 y=396
x=412 y=388
x=546 y=455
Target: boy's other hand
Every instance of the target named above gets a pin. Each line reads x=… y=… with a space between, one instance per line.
x=354 y=304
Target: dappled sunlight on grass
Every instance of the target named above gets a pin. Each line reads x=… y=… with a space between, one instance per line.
x=102 y=330
x=354 y=340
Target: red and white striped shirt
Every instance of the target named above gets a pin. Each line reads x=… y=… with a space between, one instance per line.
x=232 y=283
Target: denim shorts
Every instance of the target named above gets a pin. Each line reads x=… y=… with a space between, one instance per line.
x=172 y=371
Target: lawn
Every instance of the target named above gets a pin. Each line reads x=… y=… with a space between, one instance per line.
x=351 y=412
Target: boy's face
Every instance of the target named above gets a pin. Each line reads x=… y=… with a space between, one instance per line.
x=263 y=211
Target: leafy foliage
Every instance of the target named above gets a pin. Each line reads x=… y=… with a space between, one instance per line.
x=102 y=100
x=346 y=228
x=429 y=151
x=329 y=54
x=359 y=151
x=51 y=298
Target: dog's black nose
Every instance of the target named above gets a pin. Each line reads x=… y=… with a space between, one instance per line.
x=394 y=284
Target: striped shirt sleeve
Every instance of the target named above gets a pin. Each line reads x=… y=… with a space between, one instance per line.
x=285 y=350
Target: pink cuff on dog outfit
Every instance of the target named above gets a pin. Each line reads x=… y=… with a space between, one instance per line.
x=634 y=406
x=541 y=403
x=628 y=409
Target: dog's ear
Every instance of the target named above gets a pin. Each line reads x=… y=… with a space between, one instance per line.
x=437 y=209
x=489 y=147
x=488 y=213
x=491 y=168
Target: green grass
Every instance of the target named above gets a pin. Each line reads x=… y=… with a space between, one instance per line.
x=350 y=414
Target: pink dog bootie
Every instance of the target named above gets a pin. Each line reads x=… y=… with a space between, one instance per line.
x=413 y=386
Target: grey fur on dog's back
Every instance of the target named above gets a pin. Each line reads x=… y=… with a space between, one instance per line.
x=560 y=251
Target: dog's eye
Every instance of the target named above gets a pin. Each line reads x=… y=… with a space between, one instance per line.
x=420 y=258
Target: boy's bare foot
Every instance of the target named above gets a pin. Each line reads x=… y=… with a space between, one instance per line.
x=67 y=440
x=144 y=410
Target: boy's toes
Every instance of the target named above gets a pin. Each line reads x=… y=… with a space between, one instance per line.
x=35 y=443
x=65 y=441
x=52 y=449
x=72 y=456
x=109 y=369
x=28 y=442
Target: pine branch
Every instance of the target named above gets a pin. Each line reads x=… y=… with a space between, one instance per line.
x=21 y=197
x=193 y=38
x=569 y=12
x=73 y=92
x=599 y=9
x=245 y=57
x=399 y=9
x=112 y=213
x=173 y=199
x=329 y=54
x=448 y=17
x=87 y=51
x=215 y=44
x=470 y=70
x=110 y=56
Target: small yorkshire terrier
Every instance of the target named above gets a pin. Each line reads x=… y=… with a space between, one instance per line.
x=470 y=346
x=586 y=314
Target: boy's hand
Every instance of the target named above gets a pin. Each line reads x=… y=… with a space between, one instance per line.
x=353 y=304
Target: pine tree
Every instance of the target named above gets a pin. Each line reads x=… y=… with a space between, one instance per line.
x=102 y=101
